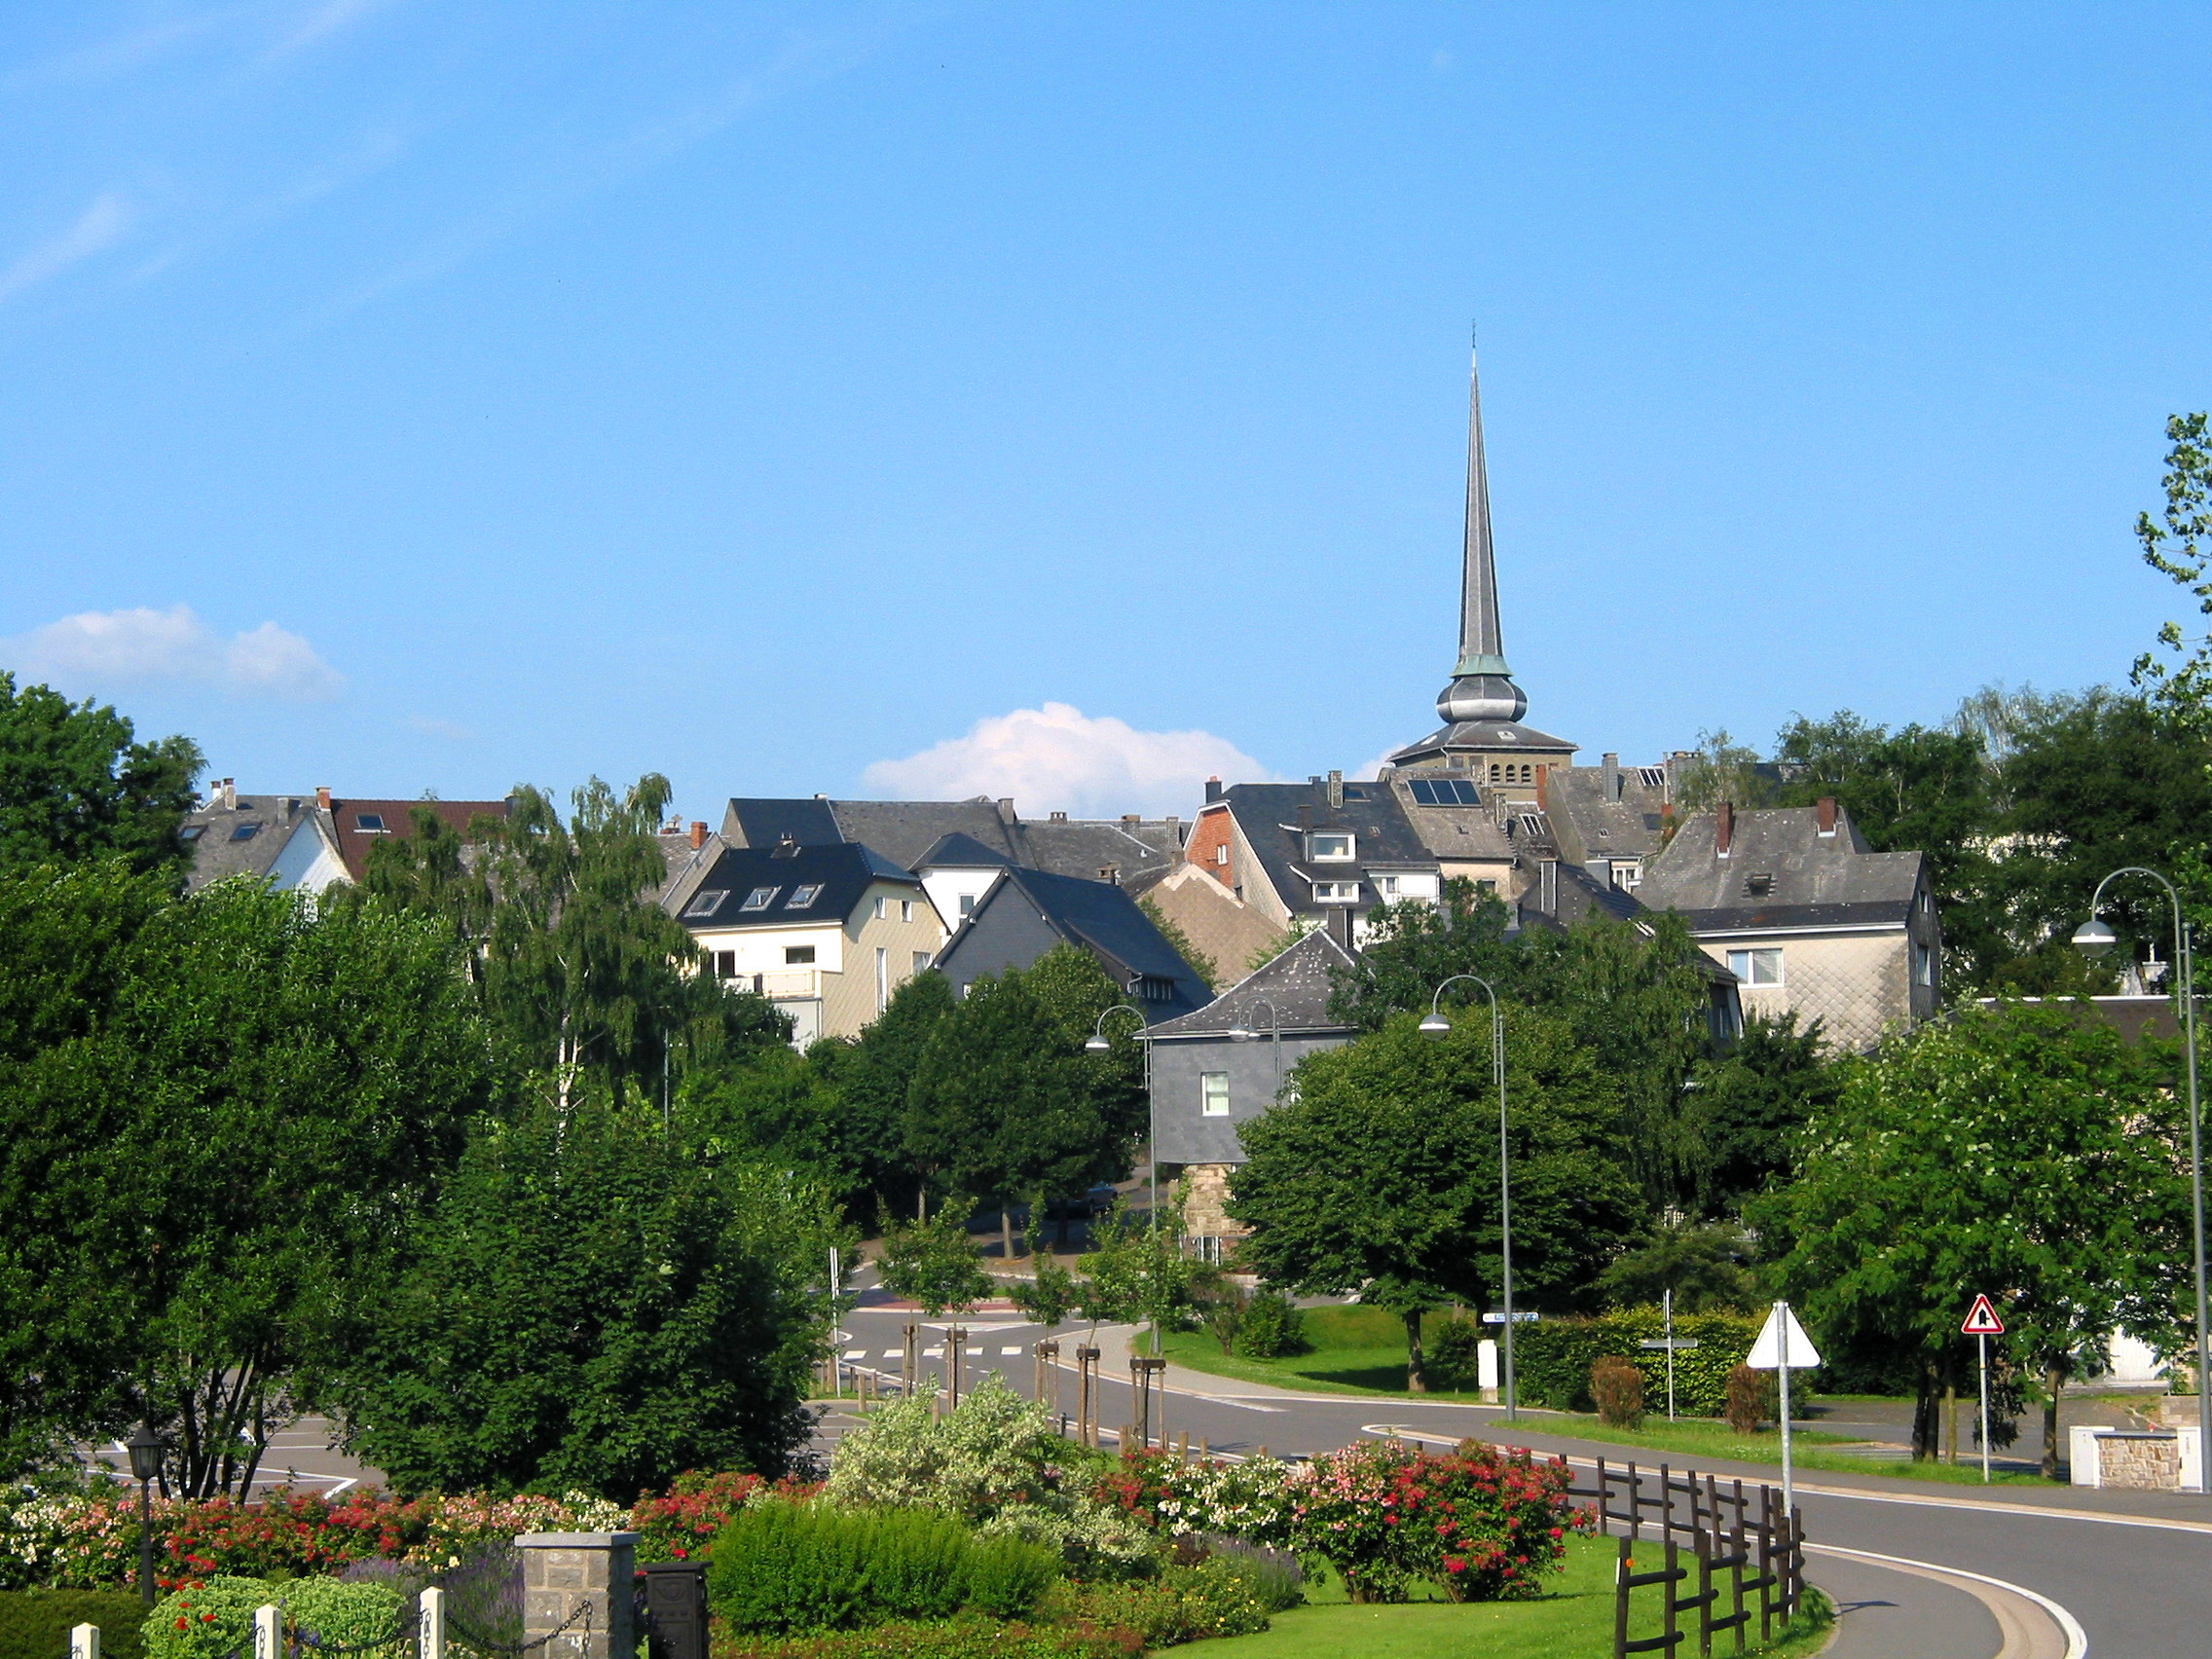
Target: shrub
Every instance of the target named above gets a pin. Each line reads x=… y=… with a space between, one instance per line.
x=963 y=1637
x=35 y=1623
x=1182 y=1603
x=1453 y=1352
x=683 y=1522
x=1007 y=1578
x=1272 y=1327
x=1272 y=1578
x=339 y=1615
x=1552 y=1359
x=1754 y=1399
x=1618 y=1388
x=205 y=1621
x=1247 y=1501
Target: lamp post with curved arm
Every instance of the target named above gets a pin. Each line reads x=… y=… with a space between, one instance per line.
x=2093 y=938
x=1436 y=1025
x=1245 y=1034
x=1099 y=1043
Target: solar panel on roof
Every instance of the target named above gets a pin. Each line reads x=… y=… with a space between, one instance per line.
x=1443 y=791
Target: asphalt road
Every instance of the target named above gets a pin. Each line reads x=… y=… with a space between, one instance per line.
x=2129 y=1567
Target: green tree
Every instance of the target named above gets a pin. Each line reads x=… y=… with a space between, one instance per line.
x=2025 y=1151
x=781 y=1107
x=592 y=1307
x=1412 y=948
x=1708 y=1265
x=1380 y=1175
x=876 y=1074
x=216 y=1139
x=1742 y=1119
x=75 y=785
x=1136 y=1270
x=934 y=1260
x=1722 y=769
x=2178 y=544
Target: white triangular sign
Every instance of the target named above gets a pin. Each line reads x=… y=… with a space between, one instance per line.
x=1783 y=1342
x=1982 y=1321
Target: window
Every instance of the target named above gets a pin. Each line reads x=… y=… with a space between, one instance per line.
x=881 y=908
x=967 y=905
x=803 y=896
x=882 y=976
x=192 y=831
x=761 y=898
x=1320 y=847
x=726 y=964
x=1443 y=791
x=1652 y=777
x=1528 y=773
x=1336 y=893
x=1756 y=966
x=245 y=831
x=1494 y=769
x=906 y=910
x=1489 y=889
x=1923 y=965
x=921 y=961
x=1627 y=875
x=369 y=822
x=1214 y=1094
x=1221 y=854
x=1154 y=987
x=706 y=902
x=1387 y=886
x=798 y=956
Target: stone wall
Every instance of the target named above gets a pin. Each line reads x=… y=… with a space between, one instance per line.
x=2143 y=1462
x=1205 y=1213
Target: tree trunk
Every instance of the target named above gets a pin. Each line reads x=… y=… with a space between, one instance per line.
x=2053 y=1378
x=1927 y=1432
x=1416 y=1380
x=1951 y=1404
x=1006 y=1231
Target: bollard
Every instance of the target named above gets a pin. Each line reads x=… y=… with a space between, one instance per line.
x=582 y=1585
x=268 y=1633
x=433 y=1624
x=85 y=1642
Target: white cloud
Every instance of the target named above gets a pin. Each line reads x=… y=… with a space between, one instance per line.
x=95 y=649
x=1058 y=759
x=99 y=226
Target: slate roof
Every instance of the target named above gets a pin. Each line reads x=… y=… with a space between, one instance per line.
x=1816 y=881
x=1591 y=822
x=1484 y=734
x=1296 y=983
x=1452 y=832
x=957 y=851
x=217 y=852
x=909 y=832
x=844 y=872
x=1096 y=915
x=1267 y=815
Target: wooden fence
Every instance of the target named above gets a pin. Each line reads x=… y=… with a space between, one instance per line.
x=1734 y=1543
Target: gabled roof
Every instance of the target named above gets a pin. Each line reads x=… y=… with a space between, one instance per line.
x=1483 y=735
x=241 y=838
x=1096 y=915
x=1138 y=851
x=764 y=823
x=957 y=851
x=844 y=874
x=1296 y=983
x=910 y=834
x=1453 y=831
x=1625 y=821
x=1779 y=872
x=357 y=820
x=1267 y=815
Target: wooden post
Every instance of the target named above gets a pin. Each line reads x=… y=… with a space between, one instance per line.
x=1620 y=1599
x=1087 y=1394
x=1634 y=1506
x=1205 y=1449
x=1183 y=1447
x=955 y=1344
x=1047 y=1370
x=1673 y=1628
x=1703 y=1592
x=1736 y=1576
x=907 y=1365
x=1766 y=1565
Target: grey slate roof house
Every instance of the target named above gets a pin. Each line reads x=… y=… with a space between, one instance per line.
x=1026 y=912
x=1129 y=850
x=1223 y=1066
x=305 y=841
x=1325 y=850
x=1807 y=916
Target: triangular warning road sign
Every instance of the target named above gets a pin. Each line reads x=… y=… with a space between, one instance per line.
x=1783 y=1342
x=1982 y=1321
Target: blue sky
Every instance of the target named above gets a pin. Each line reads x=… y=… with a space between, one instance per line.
x=1067 y=401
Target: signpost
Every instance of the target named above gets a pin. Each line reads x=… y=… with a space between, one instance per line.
x=1782 y=1348
x=1981 y=1324
x=1672 y=1348
x=1518 y=1318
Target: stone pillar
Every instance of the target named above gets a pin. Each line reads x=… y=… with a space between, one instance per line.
x=561 y=1572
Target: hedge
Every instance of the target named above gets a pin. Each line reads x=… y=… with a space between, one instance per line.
x=1552 y=1358
x=35 y=1623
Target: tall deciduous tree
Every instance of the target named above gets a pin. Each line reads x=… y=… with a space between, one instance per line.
x=75 y=784
x=594 y=1306
x=1381 y=1174
x=2027 y=1153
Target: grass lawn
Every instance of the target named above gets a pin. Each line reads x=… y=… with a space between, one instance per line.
x=1362 y=1350
x=1574 y=1622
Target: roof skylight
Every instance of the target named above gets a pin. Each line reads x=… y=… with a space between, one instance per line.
x=761 y=898
x=706 y=902
x=803 y=895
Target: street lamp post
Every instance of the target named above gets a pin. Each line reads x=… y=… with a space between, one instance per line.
x=145 y=1448
x=2093 y=938
x=1245 y=1034
x=1100 y=1044
x=1436 y=1025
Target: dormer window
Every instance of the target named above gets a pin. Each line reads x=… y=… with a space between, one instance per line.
x=761 y=898
x=1326 y=847
x=1336 y=893
x=705 y=903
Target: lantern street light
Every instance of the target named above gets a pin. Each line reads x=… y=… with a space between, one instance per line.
x=145 y=1448
x=1247 y=1034
x=1435 y=1027
x=2093 y=938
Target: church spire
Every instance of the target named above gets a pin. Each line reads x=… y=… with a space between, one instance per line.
x=1482 y=688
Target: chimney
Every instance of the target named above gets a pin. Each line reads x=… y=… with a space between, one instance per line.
x=1336 y=790
x=1600 y=871
x=1006 y=809
x=1723 y=828
x=227 y=794
x=323 y=798
x=1547 y=886
x=1340 y=925
x=1213 y=787
x=1610 y=775
x=1305 y=815
x=1059 y=818
x=1130 y=820
x=698 y=834
x=1827 y=811
x=1543 y=791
